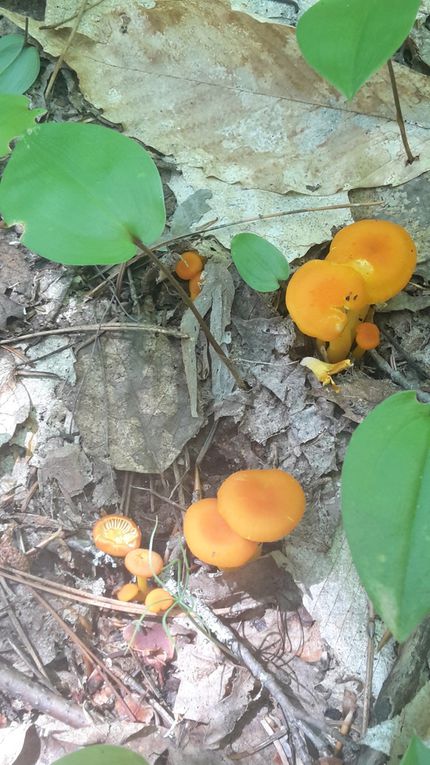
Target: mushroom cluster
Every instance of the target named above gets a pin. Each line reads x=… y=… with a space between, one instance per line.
x=252 y=507
x=119 y=536
x=368 y=262
x=190 y=268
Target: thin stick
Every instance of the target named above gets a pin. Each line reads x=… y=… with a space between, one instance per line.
x=37 y=696
x=397 y=377
x=189 y=303
x=369 y=666
x=60 y=59
x=114 y=327
x=399 y=115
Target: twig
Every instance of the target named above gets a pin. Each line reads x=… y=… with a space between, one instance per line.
x=114 y=327
x=70 y=18
x=397 y=377
x=369 y=666
x=297 y=719
x=37 y=696
x=416 y=365
x=189 y=303
x=59 y=533
x=399 y=115
x=60 y=59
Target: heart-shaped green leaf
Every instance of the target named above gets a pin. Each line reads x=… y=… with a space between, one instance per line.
x=82 y=193
x=260 y=264
x=10 y=47
x=416 y=754
x=346 y=41
x=16 y=119
x=21 y=72
x=386 y=509
x=102 y=754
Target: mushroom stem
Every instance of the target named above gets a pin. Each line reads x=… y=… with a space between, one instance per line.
x=142 y=584
x=340 y=347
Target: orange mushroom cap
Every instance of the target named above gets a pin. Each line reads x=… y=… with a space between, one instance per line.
x=116 y=535
x=211 y=540
x=158 y=600
x=319 y=295
x=382 y=252
x=367 y=336
x=189 y=264
x=262 y=505
x=144 y=563
x=127 y=592
x=195 y=285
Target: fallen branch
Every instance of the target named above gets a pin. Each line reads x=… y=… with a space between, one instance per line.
x=36 y=696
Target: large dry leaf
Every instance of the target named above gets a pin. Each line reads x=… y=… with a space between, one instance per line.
x=220 y=90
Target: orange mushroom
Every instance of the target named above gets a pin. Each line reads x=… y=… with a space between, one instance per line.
x=158 y=600
x=320 y=297
x=261 y=505
x=367 y=337
x=128 y=592
x=116 y=535
x=190 y=264
x=212 y=540
x=143 y=564
x=195 y=285
x=380 y=251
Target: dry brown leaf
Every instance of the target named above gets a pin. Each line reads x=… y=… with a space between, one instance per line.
x=175 y=69
x=151 y=641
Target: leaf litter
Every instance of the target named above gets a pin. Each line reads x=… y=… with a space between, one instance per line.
x=312 y=622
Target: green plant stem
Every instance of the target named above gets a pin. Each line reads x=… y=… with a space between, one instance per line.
x=189 y=303
x=399 y=115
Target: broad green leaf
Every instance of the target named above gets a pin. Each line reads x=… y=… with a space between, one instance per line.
x=346 y=41
x=259 y=263
x=102 y=754
x=21 y=73
x=10 y=47
x=82 y=192
x=16 y=118
x=386 y=509
x=416 y=754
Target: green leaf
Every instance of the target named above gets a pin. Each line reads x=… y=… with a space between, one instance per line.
x=16 y=119
x=416 y=754
x=102 y=754
x=346 y=41
x=10 y=47
x=82 y=192
x=259 y=263
x=21 y=73
x=386 y=509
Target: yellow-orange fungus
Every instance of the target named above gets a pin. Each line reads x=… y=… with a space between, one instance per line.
x=382 y=252
x=189 y=264
x=261 y=505
x=116 y=535
x=320 y=295
x=158 y=600
x=212 y=540
x=367 y=336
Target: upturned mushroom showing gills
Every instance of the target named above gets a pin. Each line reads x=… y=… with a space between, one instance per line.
x=116 y=535
x=380 y=251
x=261 y=505
x=143 y=564
x=212 y=540
x=321 y=295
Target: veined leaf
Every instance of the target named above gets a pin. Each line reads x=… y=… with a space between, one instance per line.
x=346 y=41
x=10 y=47
x=82 y=193
x=22 y=70
x=416 y=754
x=260 y=264
x=386 y=509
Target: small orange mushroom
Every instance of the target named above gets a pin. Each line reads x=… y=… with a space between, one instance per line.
x=143 y=564
x=190 y=264
x=321 y=295
x=195 y=285
x=116 y=535
x=261 y=505
x=212 y=540
x=158 y=600
x=367 y=337
x=380 y=251
x=128 y=592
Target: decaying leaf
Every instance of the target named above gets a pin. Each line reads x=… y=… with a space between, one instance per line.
x=14 y=399
x=248 y=81
x=8 y=308
x=130 y=406
x=69 y=466
x=151 y=641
